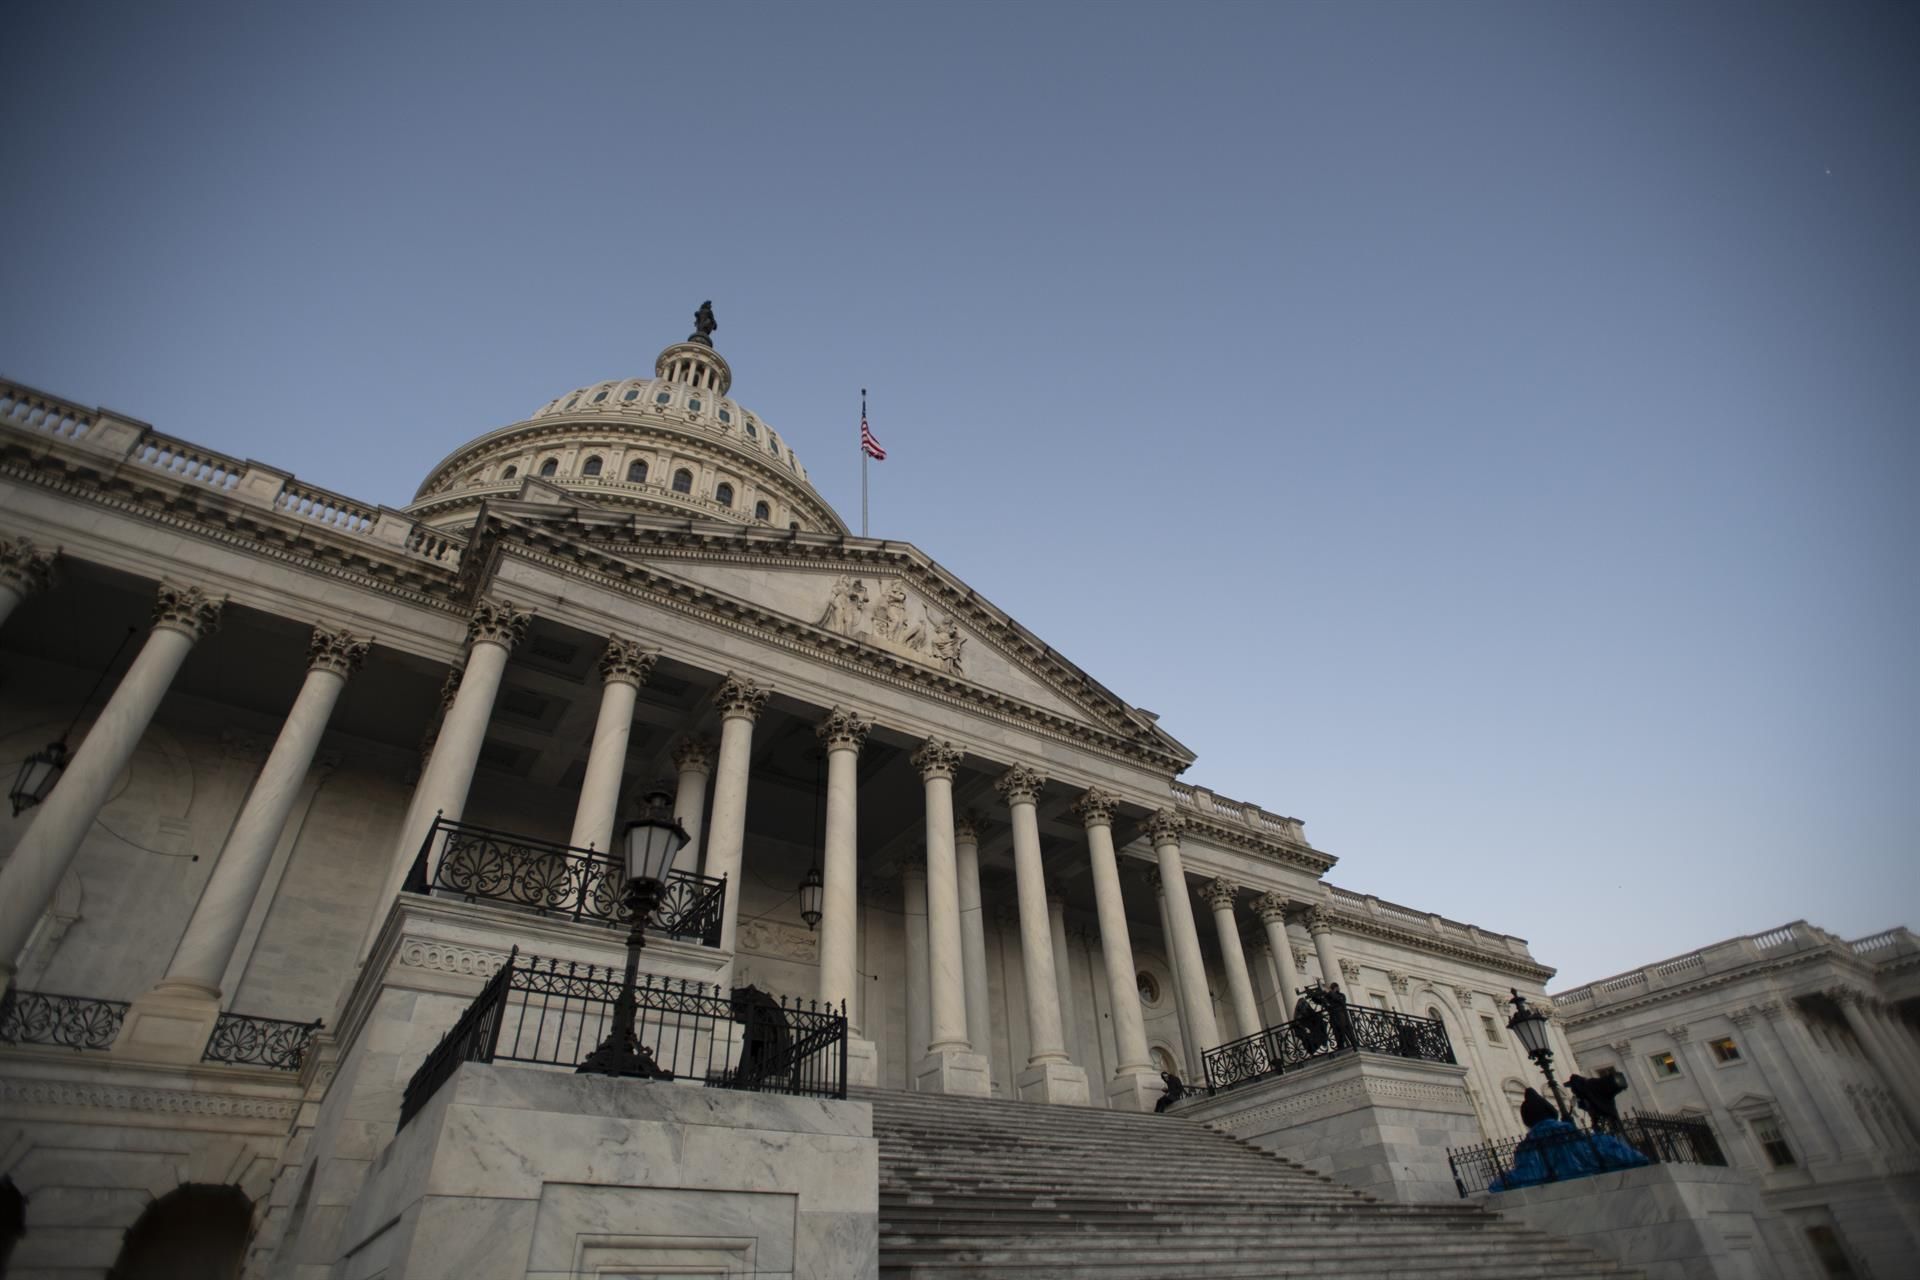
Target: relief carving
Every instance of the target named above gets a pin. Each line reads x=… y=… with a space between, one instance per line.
x=892 y=622
x=782 y=941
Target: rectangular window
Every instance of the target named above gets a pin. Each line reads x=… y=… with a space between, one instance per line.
x=1664 y=1066
x=1833 y=1258
x=1379 y=1001
x=1773 y=1142
x=1724 y=1049
x=1491 y=1028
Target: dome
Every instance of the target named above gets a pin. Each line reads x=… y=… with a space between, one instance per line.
x=675 y=443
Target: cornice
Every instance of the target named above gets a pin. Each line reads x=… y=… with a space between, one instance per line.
x=1199 y=826
x=1505 y=962
x=1651 y=998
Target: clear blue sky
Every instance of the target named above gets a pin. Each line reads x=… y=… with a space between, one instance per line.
x=1486 y=432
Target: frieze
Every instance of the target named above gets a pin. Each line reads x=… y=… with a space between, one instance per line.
x=441 y=957
x=889 y=618
x=113 y=1097
x=779 y=941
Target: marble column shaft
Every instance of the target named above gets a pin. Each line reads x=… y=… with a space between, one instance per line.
x=740 y=701
x=1221 y=895
x=221 y=913
x=1320 y=929
x=1062 y=967
x=842 y=733
x=1813 y=1141
x=947 y=993
x=913 y=903
x=1273 y=916
x=1164 y=828
x=1905 y=1090
x=33 y=871
x=1188 y=1052
x=1021 y=788
x=694 y=762
x=973 y=934
x=1116 y=946
x=624 y=667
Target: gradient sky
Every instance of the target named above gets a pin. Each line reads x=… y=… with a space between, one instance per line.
x=1485 y=432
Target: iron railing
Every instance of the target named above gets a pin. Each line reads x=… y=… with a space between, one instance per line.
x=77 y=1022
x=1276 y=1050
x=556 y=1012
x=247 y=1041
x=1580 y=1152
x=481 y=864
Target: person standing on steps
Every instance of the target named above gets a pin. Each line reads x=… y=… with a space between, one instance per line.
x=1175 y=1091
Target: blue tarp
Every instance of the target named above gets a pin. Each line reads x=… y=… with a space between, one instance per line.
x=1554 y=1151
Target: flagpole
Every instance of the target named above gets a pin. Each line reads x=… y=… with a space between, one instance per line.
x=863 y=466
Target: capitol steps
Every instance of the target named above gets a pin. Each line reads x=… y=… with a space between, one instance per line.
x=973 y=1187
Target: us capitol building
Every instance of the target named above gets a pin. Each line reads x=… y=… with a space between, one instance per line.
x=323 y=764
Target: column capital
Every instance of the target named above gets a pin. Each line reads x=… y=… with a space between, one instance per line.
x=1622 y=1047
x=1272 y=908
x=936 y=758
x=1350 y=971
x=497 y=622
x=450 y=687
x=1465 y=996
x=1095 y=807
x=188 y=610
x=1844 y=996
x=25 y=567
x=1400 y=982
x=693 y=755
x=966 y=827
x=1743 y=1018
x=1680 y=1033
x=1319 y=921
x=740 y=698
x=625 y=662
x=1220 y=893
x=1300 y=957
x=843 y=730
x=1771 y=1010
x=1020 y=785
x=1163 y=826
x=1153 y=880
x=338 y=652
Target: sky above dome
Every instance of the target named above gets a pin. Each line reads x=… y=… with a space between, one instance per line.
x=1485 y=432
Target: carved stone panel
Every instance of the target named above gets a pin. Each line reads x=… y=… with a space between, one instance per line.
x=885 y=614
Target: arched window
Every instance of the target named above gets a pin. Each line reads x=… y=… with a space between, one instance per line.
x=683 y=481
x=599 y=396
x=550 y=467
x=724 y=495
x=761 y=511
x=510 y=473
x=592 y=466
x=636 y=473
x=573 y=402
x=633 y=393
x=725 y=416
x=753 y=432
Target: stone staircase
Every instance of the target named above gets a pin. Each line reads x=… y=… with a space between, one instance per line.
x=975 y=1187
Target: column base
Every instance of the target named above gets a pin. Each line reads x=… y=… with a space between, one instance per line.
x=170 y=1023
x=956 y=1071
x=1137 y=1090
x=863 y=1063
x=1058 y=1082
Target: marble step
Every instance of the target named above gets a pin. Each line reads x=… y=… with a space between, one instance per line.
x=1231 y=1242
x=925 y=1217
x=1191 y=1266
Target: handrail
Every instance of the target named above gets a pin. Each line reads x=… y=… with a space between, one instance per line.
x=75 y=1022
x=251 y=1041
x=1275 y=1050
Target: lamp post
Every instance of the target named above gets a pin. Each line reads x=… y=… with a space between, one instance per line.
x=650 y=841
x=41 y=770
x=1530 y=1025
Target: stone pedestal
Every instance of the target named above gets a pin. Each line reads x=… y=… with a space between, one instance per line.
x=1061 y=1082
x=1669 y=1221
x=1135 y=1090
x=863 y=1063
x=170 y=1023
x=954 y=1071
x=1378 y=1123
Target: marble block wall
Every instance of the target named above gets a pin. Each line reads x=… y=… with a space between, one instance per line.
x=1671 y=1221
x=522 y=1173
x=1380 y=1124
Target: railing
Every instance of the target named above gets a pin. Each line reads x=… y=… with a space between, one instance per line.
x=481 y=864
x=1888 y=940
x=248 y=1041
x=326 y=508
x=1203 y=800
x=25 y=407
x=1575 y=1152
x=1280 y=1049
x=432 y=545
x=555 y=1013
x=77 y=1022
x=188 y=461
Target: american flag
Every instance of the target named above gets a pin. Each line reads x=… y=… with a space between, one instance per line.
x=868 y=445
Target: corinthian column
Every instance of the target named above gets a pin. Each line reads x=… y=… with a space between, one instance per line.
x=740 y=701
x=24 y=569
x=842 y=733
x=1164 y=829
x=973 y=934
x=624 y=667
x=1221 y=894
x=951 y=1065
x=172 y=1021
x=1273 y=915
x=1135 y=1085
x=693 y=760
x=1050 y=1075
x=27 y=881
x=1320 y=929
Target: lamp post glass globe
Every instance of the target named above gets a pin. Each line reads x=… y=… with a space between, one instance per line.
x=649 y=842
x=1530 y=1027
x=812 y=890
x=38 y=774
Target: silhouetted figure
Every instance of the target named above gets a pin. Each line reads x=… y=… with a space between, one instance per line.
x=766 y=1050
x=1175 y=1091
x=1309 y=1023
x=1337 y=1015
x=1599 y=1096
x=1534 y=1109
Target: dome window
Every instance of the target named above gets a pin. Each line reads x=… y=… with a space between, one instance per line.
x=693 y=406
x=633 y=393
x=724 y=495
x=753 y=432
x=725 y=416
x=510 y=473
x=683 y=481
x=599 y=396
x=663 y=397
x=573 y=402
x=773 y=445
x=550 y=467
x=592 y=467
x=761 y=511
x=636 y=473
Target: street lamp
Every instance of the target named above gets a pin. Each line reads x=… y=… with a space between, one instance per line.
x=41 y=770
x=650 y=841
x=1530 y=1025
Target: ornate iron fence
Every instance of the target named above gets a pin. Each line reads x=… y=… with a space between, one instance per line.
x=1580 y=1152
x=481 y=864
x=77 y=1022
x=248 y=1041
x=555 y=1013
x=1280 y=1049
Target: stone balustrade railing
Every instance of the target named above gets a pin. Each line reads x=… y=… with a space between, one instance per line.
x=1212 y=804
x=1426 y=922
x=1891 y=942
x=24 y=409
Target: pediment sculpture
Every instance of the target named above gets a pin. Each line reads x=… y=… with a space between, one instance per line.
x=888 y=618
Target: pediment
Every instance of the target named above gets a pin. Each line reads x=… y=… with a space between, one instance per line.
x=885 y=599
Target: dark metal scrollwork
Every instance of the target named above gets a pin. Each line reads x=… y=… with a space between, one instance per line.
x=259 y=1042
x=75 y=1022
